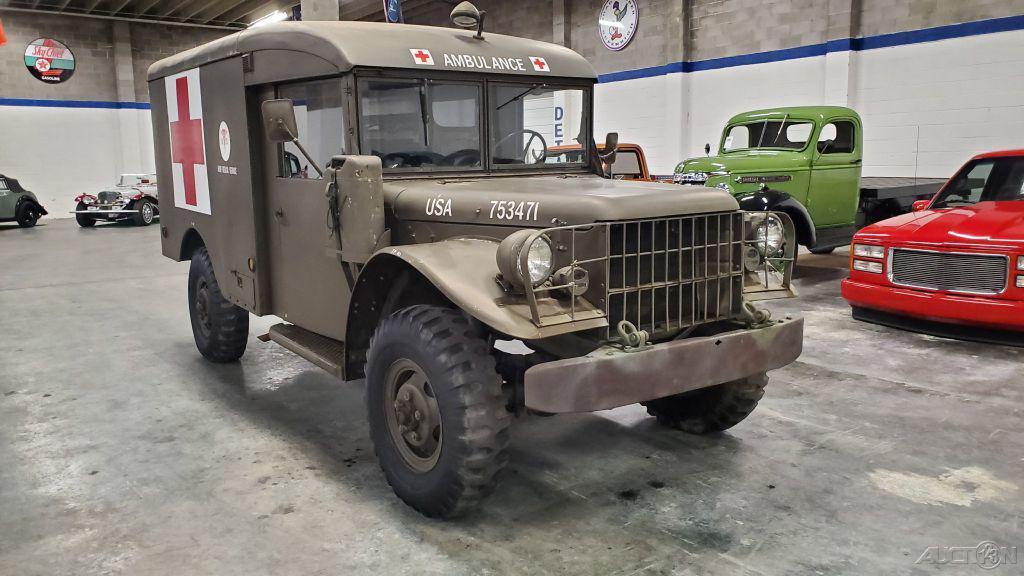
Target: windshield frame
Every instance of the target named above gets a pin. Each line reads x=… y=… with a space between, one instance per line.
x=484 y=82
x=815 y=127
x=962 y=172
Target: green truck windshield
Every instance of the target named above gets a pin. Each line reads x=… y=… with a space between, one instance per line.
x=772 y=134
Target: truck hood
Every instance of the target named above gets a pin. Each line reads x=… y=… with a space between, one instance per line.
x=745 y=162
x=545 y=201
x=986 y=225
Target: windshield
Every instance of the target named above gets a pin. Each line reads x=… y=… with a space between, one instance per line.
x=421 y=124
x=988 y=180
x=526 y=120
x=779 y=133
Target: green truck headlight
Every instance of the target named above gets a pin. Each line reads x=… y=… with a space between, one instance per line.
x=869 y=251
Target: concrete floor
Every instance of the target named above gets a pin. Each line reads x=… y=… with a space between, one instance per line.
x=122 y=451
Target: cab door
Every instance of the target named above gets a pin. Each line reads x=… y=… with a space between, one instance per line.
x=308 y=284
x=834 y=192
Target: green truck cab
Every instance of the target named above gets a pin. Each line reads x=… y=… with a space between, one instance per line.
x=18 y=205
x=806 y=162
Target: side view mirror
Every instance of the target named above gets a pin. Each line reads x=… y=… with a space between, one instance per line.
x=611 y=145
x=707 y=149
x=920 y=205
x=279 y=120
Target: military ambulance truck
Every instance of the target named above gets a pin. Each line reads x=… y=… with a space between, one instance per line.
x=385 y=191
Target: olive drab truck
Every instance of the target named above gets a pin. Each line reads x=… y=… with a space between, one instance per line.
x=386 y=191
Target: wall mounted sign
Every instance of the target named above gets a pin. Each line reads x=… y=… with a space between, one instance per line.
x=393 y=10
x=49 y=60
x=617 y=23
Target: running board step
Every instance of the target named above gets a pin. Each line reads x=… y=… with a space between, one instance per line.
x=327 y=353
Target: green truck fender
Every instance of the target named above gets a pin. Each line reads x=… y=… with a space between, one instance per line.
x=777 y=201
x=458 y=271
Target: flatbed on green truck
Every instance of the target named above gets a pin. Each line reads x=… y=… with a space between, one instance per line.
x=767 y=161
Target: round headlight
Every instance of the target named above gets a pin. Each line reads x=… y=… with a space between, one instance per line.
x=539 y=259
x=770 y=235
x=88 y=200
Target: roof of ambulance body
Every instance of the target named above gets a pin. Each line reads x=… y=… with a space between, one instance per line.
x=379 y=45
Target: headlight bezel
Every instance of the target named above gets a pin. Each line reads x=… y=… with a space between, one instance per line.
x=511 y=257
x=873 y=251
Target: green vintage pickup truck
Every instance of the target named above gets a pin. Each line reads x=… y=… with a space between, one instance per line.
x=804 y=161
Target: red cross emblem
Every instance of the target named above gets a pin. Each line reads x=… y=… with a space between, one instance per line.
x=421 y=56
x=191 y=191
x=539 y=64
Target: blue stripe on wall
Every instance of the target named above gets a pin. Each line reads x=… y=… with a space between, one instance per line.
x=964 y=30
x=37 y=103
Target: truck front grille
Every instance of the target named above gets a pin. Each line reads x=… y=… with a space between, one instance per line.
x=671 y=273
x=952 y=272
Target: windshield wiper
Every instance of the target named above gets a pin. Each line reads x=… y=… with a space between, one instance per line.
x=524 y=93
x=423 y=114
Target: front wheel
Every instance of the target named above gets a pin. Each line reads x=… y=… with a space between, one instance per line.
x=84 y=220
x=220 y=328
x=145 y=214
x=27 y=215
x=710 y=409
x=436 y=411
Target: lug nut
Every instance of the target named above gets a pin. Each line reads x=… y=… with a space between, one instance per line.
x=415 y=437
x=417 y=415
x=406 y=397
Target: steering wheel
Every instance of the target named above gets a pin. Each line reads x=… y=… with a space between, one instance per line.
x=466 y=157
x=534 y=135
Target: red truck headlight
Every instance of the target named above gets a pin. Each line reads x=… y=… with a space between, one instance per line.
x=869 y=251
x=868 y=266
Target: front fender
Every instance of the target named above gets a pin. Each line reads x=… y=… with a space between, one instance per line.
x=42 y=211
x=769 y=200
x=464 y=271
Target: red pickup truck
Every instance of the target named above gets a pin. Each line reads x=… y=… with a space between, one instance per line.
x=957 y=259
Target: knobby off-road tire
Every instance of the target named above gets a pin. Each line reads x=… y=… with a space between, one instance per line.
x=710 y=409
x=26 y=214
x=84 y=220
x=220 y=328
x=425 y=358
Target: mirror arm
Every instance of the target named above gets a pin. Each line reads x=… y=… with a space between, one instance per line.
x=308 y=157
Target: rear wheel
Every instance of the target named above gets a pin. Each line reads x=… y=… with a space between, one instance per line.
x=27 y=214
x=220 y=328
x=145 y=214
x=84 y=220
x=710 y=409
x=436 y=410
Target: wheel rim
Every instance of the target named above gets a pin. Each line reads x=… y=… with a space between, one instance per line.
x=413 y=416
x=147 y=213
x=203 y=308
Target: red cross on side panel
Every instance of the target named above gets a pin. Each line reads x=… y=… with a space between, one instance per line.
x=539 y=64
x=187 y=141
x=421 y=56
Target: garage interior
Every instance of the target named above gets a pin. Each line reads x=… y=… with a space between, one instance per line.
x=878 y=451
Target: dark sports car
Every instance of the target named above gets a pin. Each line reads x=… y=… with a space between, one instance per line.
x=18 y=204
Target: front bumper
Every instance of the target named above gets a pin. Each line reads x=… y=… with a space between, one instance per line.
x=939 y=306
x=610 y=377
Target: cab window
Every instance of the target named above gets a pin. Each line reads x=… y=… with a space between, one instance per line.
x=987 y=180
x=626 y=166
x=527 y=120
x=837 y=138
x=3 y=185
x=320 y=118
x=784 y=134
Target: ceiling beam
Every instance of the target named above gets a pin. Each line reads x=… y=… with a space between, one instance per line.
x=92 y=6
x=120 y=7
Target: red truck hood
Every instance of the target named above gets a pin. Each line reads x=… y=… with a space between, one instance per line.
x=986 y=225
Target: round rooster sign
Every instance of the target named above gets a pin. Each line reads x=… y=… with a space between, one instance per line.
x=617 y=23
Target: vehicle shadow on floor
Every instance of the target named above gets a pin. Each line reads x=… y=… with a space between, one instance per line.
x=9 y=226
x=569 y=465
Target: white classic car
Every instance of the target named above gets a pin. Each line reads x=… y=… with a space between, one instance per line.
x=133 y=198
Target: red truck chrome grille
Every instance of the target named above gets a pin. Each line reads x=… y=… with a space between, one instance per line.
x=952 y=272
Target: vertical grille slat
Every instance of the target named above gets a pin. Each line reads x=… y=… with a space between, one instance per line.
x=949 y=271
x=671 y=273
